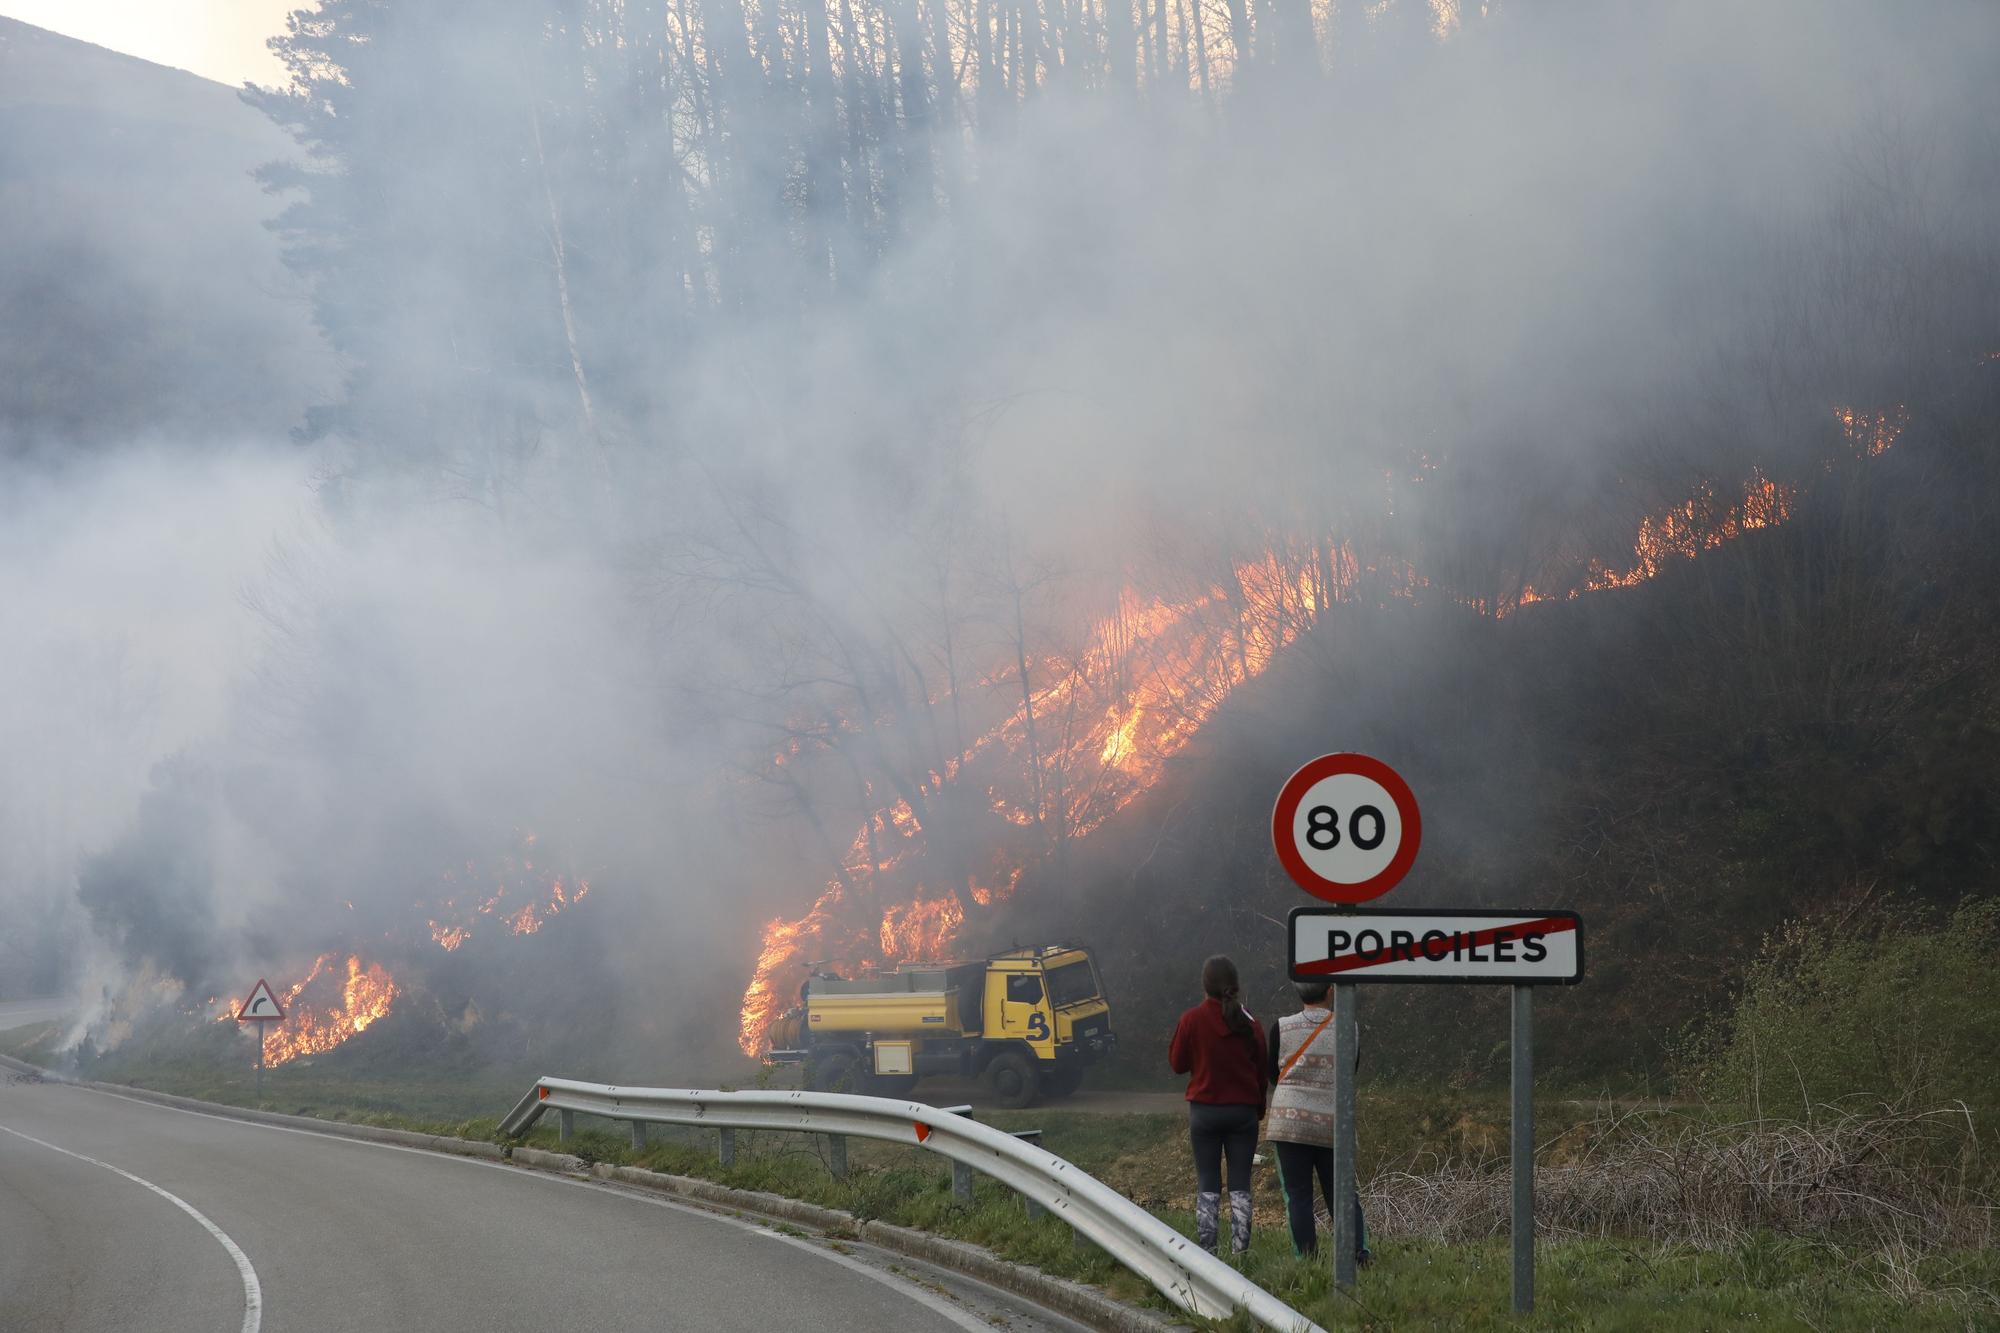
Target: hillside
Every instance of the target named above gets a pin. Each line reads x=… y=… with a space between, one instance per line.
x=145 y=296
x=1804 y=722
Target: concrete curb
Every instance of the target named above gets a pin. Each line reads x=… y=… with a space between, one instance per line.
x=749 y=1201
x=1084 y=1304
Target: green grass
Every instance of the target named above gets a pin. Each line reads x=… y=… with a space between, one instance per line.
x=1769 y=1281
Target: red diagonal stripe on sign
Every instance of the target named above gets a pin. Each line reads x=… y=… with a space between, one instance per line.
x=1548 y=925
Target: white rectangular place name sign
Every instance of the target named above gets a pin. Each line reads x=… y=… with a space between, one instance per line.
x=1424 y=944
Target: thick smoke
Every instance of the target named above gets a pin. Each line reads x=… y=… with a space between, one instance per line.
x=635 y=531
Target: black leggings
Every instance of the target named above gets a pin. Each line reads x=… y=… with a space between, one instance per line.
x=1217 y=1130
x=1298 y=1164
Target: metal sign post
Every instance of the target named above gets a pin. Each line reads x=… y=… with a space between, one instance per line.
x=1523 y=949
x=1346 y=1032
x=1346 y=830
x=1522 y=1042
x=260 y=1007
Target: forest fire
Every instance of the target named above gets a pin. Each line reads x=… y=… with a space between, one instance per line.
x=510 y=892
x=341 y=994
x=1083 y=746
x=1699 y=523
x=922 y=928
x=335 y=1001
x=1073 y=753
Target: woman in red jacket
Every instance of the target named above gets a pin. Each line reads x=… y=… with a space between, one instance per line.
x=1221 y=1049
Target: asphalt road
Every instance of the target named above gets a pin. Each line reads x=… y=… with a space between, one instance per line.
x=119 y=1214
x=19 y=1013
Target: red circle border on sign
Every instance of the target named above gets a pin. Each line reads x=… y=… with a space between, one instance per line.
x=1286 y=812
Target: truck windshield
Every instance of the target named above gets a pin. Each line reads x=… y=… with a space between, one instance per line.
x=1072 y=983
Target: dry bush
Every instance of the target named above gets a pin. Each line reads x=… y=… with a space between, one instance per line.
x=1903 y=1183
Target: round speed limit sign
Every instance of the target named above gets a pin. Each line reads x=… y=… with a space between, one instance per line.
x=1346 y=828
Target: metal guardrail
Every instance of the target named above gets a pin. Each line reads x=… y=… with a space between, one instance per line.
x=1182 y=1271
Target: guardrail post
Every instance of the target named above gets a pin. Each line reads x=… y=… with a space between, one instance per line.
x=1033 y=1136
x=725 y=1146
x=638 y=1136
x=836 y=1148
x=565 y=1125
x=961 y=1182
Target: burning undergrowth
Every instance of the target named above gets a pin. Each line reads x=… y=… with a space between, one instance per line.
x=442 y=965
x=1062 y=732
x=1086 y=733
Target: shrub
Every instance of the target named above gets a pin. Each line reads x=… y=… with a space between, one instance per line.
x=1847 y=1012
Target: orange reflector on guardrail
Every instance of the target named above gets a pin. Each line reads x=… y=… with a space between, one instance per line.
x=542 y=1094
x=923 y=1130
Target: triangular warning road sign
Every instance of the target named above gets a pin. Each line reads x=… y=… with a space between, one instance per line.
x=262 y=1006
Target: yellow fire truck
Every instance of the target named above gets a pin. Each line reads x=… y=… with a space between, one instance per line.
x=1027 y=1022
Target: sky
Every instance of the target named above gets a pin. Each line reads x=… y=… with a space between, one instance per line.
x=217 y=39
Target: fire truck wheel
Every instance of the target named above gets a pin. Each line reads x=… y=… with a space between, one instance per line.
x=1063 y=1080
x=838 y=1072
x=1012 y=1080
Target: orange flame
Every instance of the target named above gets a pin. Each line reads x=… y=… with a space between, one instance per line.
x=313 y=1024
x=783 y=941
x=514 y=880
x=921 y=929
x=1152 y=673
x=1683 y=532
x=1872 y=433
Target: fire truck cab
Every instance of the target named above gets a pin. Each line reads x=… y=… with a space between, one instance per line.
x=1027 y=1023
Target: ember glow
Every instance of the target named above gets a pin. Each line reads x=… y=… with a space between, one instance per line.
x=1872 y=433
x=1700 y=523
x=509 y=891
x=335 y=1001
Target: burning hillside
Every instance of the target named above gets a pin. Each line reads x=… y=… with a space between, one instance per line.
x=335 y=1000
x=509 y=892
x=1094 y=732
x=343 y=992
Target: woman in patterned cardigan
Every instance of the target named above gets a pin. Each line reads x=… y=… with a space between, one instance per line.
x=1304 y=1081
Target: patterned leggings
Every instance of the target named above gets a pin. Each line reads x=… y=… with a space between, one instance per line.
x=1217 y=1132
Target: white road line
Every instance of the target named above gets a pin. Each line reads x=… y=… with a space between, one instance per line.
x=253 y=1292
x=904 y=1286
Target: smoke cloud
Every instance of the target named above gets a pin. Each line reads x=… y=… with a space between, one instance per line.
x=672 y=520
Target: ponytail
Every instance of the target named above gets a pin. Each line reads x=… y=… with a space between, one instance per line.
x=1220 y=982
